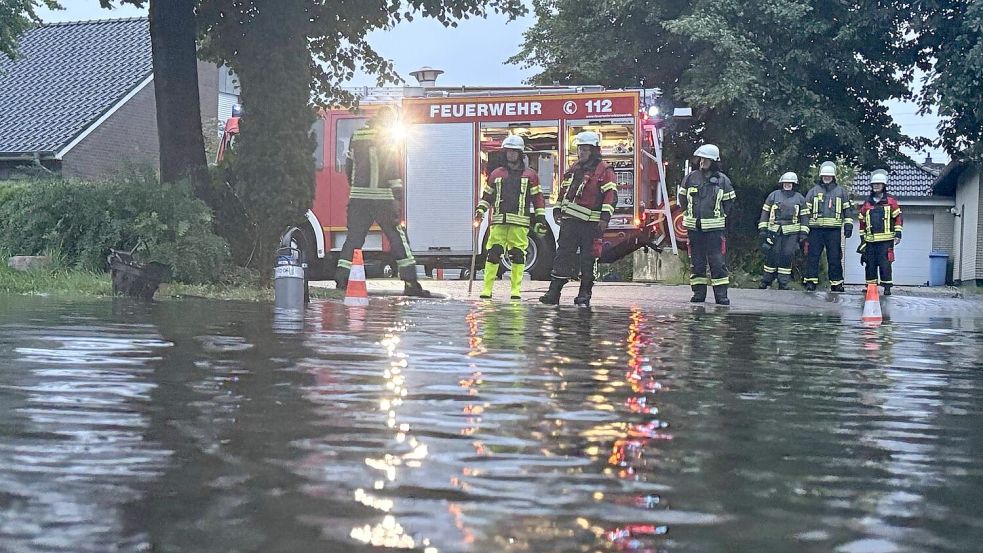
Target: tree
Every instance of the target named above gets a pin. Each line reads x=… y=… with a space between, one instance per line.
x=950 y=37
x=16 y=17
x=778 y=84
x=291 y=57
x=174 y=35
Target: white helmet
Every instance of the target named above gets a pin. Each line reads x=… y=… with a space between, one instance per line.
x=789 y=177
x=587 y=137
x=827 y=169
x=878 y=177
x=513 y=142
x=708 y=151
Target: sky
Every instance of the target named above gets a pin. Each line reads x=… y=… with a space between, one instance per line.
x=474 y=53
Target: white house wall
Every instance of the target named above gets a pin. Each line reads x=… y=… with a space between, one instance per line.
x=967 y=263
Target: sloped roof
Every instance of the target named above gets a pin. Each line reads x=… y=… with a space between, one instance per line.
x=66 y=76
x=904 y=179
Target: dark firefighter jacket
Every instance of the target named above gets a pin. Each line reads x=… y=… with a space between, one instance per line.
x=373 y=167
x=829 y=206
x=784 y=212
x=706 y=198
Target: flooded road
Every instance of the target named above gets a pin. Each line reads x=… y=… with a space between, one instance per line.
x=214 y=427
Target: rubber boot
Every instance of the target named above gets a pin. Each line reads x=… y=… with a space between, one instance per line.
x=552 y=296
x=517 y=270
x=887 y=289
x=720 y=294
x=836 y=288
x=810 y=286
x=699 y=293
x=491 y=274
x=413 y=288
x=783 y=282
x=764 y=285
x=583 y=296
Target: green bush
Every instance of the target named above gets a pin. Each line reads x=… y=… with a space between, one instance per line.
x=80 y=221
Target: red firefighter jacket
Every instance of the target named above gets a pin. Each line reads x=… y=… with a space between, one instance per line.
x=880 y=220
x=588 y=194
x=510 y=194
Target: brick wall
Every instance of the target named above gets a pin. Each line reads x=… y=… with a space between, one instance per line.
x=130 y=134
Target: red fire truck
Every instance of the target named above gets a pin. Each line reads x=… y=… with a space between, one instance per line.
x=451 y=142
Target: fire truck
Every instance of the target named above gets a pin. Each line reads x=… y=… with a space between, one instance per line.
x=451 y=140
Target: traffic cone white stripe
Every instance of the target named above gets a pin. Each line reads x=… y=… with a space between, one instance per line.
x=356 y=293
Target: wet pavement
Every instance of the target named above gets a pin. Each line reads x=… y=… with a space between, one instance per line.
x=643 y=424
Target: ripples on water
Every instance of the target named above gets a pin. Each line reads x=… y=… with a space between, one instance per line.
x=219 y=427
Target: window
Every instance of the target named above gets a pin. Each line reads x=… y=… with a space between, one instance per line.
x=344 y=129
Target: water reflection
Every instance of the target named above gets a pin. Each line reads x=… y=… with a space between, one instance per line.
x=431 y=426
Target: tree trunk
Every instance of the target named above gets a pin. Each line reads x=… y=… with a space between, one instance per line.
x=173 y=33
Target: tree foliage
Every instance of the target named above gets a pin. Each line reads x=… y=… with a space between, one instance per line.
x=16 y=17
x=950 y=38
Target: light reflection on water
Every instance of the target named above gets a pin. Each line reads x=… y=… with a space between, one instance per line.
x=213 y=427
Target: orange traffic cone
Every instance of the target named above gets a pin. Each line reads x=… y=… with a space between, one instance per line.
x=872 y=306
x=356 y=294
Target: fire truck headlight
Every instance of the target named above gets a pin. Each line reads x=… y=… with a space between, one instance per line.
x=653 y=111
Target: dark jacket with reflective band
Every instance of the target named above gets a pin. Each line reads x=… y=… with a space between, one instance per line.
x=373 y=167
x=510 y=194
x=880 y=220
x=784 y=212
x=706 y=198
x=829 y=206
x=588 y=192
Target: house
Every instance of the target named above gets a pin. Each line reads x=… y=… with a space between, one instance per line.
x=928 y=222
x=961 y=180
x=79 y=100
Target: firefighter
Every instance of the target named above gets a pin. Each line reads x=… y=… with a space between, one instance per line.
x=830 y=210
x=782 y=227
x=375 y=195
x=587 y=198
x=706 y=197
x=880 y=231
x=510 y=191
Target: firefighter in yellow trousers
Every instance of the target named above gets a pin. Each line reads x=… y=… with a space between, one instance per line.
x=510 y=192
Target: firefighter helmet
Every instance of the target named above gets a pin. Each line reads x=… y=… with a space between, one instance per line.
x=513 y=142
x=590 y=138
x=789 y=177
x=878 y=176
x=708 y=151
x=827 y=169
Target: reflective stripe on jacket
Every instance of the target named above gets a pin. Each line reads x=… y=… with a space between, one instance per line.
x=880 y=220
x=829 y=206
x=512 y=194
x=706 y=199
x=593 y=197
x=784 y=212
x=372 y=167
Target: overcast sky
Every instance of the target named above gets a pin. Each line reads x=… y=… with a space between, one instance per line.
x=474 y=53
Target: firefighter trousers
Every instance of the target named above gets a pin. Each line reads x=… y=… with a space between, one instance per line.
x=361 y=214
x=878 y=255
x=505 y=240
x=575 y=253
x=778 y=260
x=828 y=238
x=706 y=248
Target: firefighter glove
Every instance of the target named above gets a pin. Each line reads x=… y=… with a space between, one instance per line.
x=557 y=214
x=479 y=215
x=848 y=230
x=803 y=237
x=539 y=229
x=602 y=226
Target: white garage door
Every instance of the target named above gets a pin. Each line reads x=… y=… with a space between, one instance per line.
x=910 y=256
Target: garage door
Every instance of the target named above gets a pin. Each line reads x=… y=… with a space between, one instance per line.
x=911 y=255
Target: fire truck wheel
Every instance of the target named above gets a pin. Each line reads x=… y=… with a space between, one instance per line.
x=539 y=257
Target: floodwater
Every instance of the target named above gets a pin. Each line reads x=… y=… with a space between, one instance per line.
x=218 y=427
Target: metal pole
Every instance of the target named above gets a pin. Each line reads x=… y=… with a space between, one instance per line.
x=474 y=254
